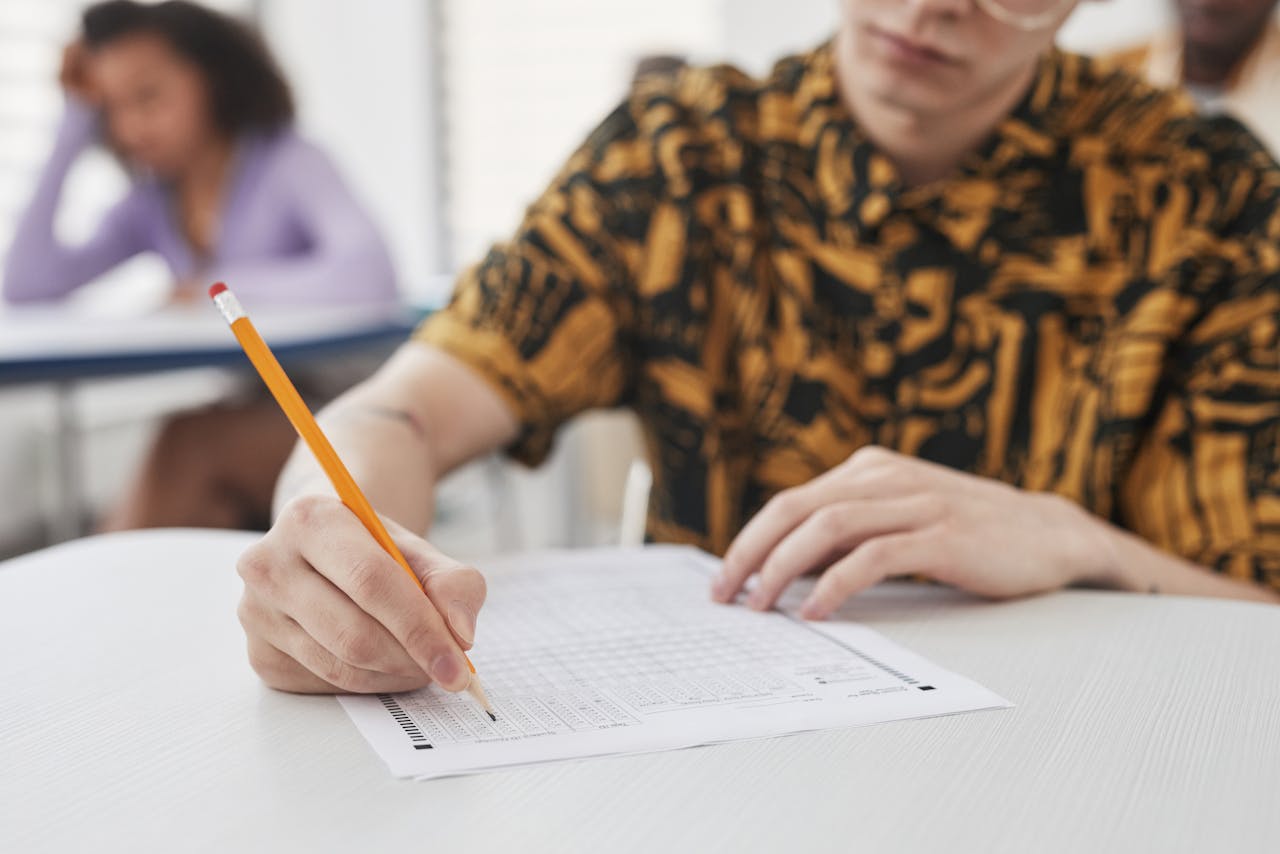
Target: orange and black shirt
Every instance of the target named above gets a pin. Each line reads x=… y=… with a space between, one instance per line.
x=1089 y=305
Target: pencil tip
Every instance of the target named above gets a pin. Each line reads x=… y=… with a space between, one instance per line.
x=493 y=717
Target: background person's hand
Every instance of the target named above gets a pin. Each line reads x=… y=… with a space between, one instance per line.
x=326 y=610
x=189 y=291
x=75 y=74
x=881 y=514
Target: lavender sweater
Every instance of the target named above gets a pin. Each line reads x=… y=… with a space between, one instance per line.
x=290 y=230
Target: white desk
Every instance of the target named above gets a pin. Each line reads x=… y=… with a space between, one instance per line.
x=43 y=343
x=131 y=722
x=64 y=346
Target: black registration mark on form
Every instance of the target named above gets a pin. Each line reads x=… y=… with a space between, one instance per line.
x=416 y=737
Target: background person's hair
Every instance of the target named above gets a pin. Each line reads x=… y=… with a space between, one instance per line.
x=247 y=90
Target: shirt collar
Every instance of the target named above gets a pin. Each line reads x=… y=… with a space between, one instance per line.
x=1032 y=130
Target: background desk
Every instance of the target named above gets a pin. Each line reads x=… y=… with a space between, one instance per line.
x=64 y=347
x=54 y=344
x=131 y=722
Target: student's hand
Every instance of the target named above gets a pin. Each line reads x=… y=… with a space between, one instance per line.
x=189 y=292
x=75 y=75
x=327 y=610
x=880 y=514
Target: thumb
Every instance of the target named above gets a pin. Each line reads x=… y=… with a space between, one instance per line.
x=455 y=589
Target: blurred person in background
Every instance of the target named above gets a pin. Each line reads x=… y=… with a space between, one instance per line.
x=222 y=187
x=1226 y=54
x=931 y=299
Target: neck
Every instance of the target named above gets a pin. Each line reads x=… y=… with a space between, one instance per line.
x=207 y=167
x=925 y=146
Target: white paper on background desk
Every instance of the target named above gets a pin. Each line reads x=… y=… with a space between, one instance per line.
x=35 y=332
x=613 y=651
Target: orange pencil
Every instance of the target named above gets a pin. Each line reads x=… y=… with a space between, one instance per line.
x=305 y=423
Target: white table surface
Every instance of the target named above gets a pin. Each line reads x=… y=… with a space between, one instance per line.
x=132 y=722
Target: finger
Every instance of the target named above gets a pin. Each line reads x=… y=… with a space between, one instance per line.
x=789 y=508
x=340 y=549
x=280 y=580
x=268 y=626
x=456 y=589
x=903 y=553
x=338 y=625
x=291 y=661
x=765 y=530
x=282 y=673
x=833 y=531
x=290 y=638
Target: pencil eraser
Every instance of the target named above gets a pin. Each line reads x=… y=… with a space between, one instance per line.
x=216 y=289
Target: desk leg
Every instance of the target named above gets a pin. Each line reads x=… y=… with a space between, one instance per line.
x=66 y=523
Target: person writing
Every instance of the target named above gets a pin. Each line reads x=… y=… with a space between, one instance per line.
x=933 y=299
x=199 y=114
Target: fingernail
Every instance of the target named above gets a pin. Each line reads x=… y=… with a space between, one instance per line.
x=463 y=620
x=756 y=600
x=810 y=611
x=445 y=669
x=719 y=586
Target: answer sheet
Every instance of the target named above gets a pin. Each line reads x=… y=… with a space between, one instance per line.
x=613 y=651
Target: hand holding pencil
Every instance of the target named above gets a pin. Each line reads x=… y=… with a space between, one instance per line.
x=338 y=605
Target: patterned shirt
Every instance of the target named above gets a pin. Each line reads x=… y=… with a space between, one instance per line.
x=1088 y=305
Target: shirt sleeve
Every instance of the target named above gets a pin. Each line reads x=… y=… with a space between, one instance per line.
x=40 y=267
x=346 y=260
x=546 y=317
x=1205 y=481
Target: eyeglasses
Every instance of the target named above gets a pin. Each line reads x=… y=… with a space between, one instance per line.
x=1025 y=14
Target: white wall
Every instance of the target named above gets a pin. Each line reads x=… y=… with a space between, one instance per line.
x=525 y=83
x=1098 y=26
x=364 y=78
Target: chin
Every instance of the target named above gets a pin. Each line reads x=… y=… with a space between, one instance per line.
x=158 y=166
x=913 y=94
